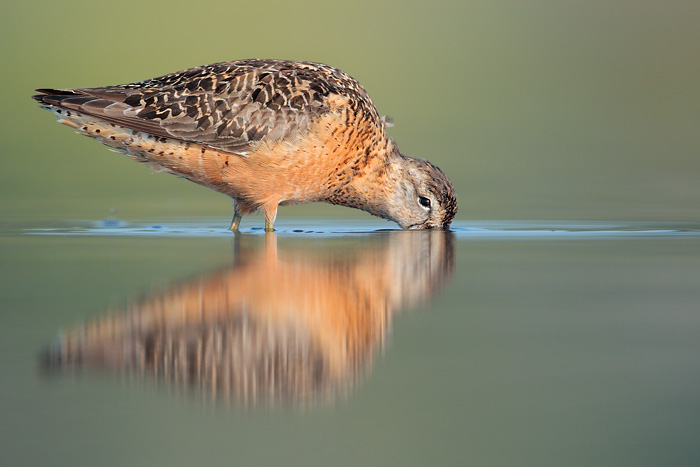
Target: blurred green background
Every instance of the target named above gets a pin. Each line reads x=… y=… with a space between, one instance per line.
x=536 y=110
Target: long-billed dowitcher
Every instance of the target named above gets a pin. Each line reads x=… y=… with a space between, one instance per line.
x=266 y=133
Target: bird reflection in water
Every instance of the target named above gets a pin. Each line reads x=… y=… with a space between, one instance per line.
x=280 y=325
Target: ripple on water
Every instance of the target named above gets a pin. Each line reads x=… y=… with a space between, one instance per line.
x=463 y=230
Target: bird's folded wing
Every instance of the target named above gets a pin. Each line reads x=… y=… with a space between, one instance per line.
x=226 y=106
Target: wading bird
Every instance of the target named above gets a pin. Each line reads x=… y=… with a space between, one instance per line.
x=266 y=133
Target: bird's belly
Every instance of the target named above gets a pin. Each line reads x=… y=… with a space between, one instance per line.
x=280 y=178
x=304 y=169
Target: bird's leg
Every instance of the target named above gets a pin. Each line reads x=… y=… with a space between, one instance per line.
x=270 y=211
x=236 y=221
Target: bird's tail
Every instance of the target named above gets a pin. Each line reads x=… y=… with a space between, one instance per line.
x=69 y=106
x=199 y=163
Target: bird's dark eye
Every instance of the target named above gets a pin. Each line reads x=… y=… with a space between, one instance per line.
x=423 y=201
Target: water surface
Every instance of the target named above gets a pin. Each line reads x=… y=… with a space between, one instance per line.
x=346 y=343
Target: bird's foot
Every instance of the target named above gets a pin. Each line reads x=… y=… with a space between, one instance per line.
x=235 y=222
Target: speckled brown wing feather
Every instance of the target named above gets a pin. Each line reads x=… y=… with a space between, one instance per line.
x=226 y=105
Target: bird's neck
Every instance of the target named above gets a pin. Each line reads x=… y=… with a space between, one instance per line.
x=371 y=184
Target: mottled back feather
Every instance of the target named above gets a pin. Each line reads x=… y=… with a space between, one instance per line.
x=227 y=105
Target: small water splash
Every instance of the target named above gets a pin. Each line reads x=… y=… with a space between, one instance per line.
x=111 y=222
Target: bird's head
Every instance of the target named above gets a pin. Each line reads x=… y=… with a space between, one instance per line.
x=422 y=196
